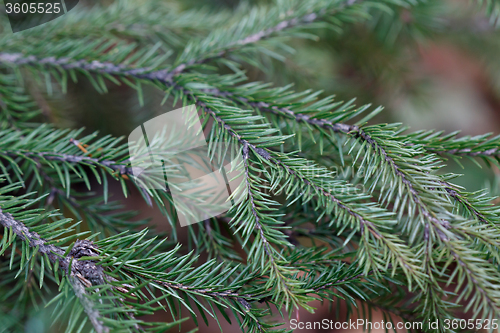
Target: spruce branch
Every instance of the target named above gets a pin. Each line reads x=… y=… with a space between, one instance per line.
x=410 y=229
x=401 y=255
x=207 y=46
x=277 y=264
x=146 y=23
x=354 y=131
x=451 y=145
x=478 y=207
x=95 y=67
x=67 y=159
x=441 y=228
x=477 y=204
x=114 y=166
x=298 y=14
x=83 y=265
x=367 y=225
x=357 y=133
x=82 y=273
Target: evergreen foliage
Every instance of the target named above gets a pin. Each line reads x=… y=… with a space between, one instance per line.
x=306 y=233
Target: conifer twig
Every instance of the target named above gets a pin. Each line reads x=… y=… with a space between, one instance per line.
x=82 y=272
x=437 y=226
x=264 y=34
x=353 y=130
x=86 y=273
x=163 y=76
x=418 y=224
x=119 y=167
x=365 y=224
x=88 y=306
x=357 y=132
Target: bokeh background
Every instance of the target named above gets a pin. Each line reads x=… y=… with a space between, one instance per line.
x=436 y=66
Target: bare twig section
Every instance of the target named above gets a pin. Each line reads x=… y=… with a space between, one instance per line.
x=465 y=152
x=92 y=313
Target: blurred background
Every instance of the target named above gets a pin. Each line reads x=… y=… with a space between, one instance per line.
x=436 y=66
